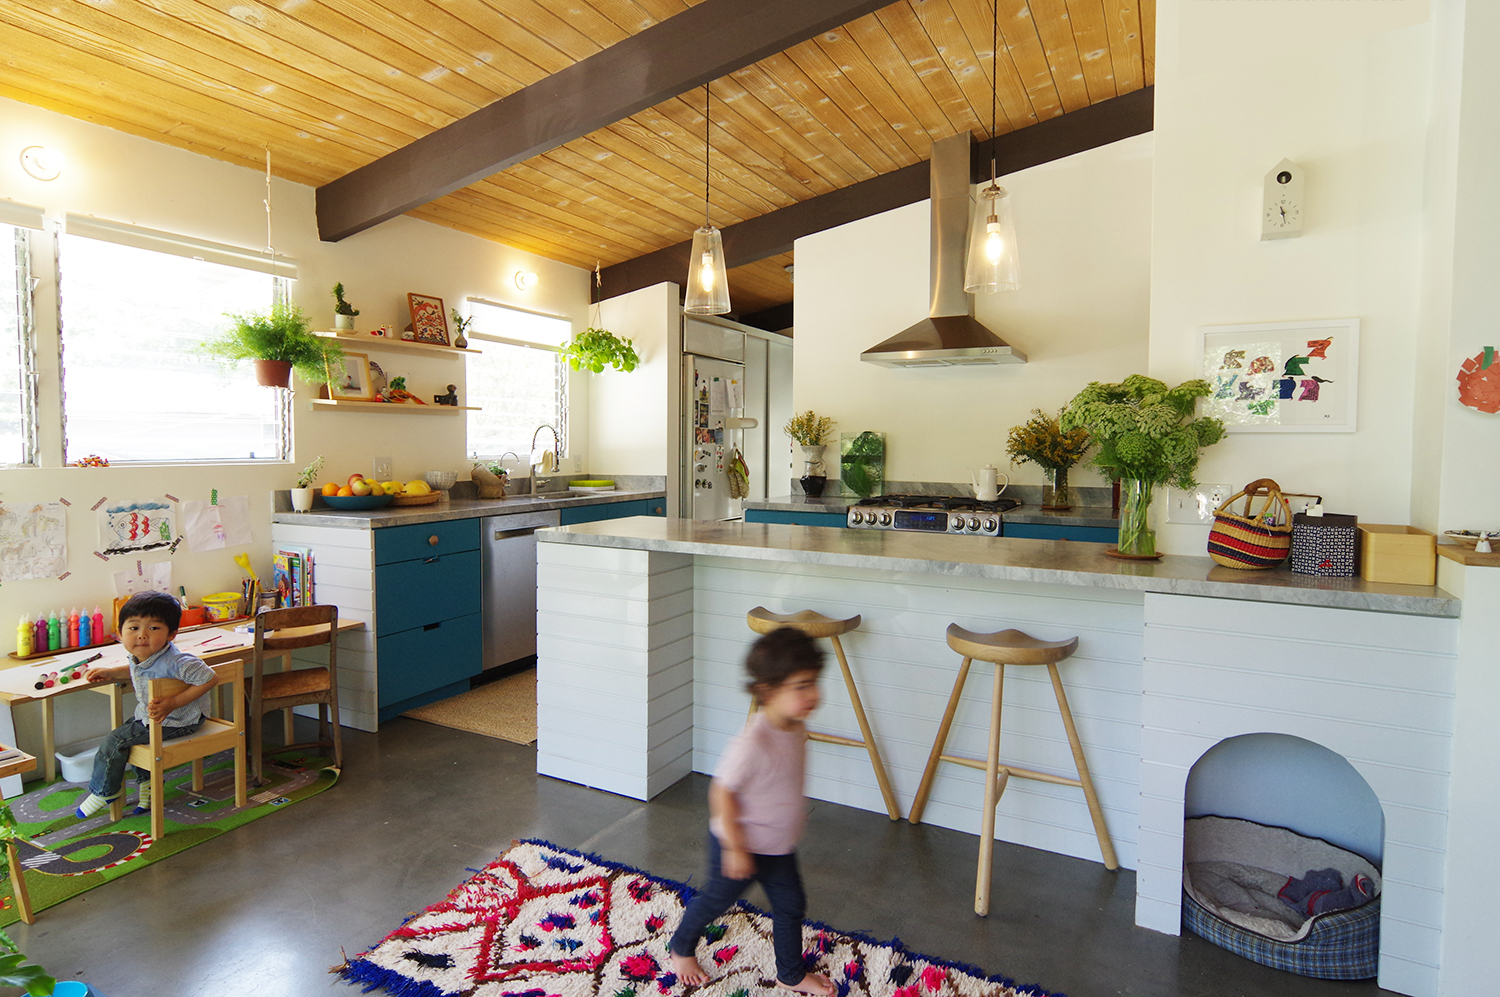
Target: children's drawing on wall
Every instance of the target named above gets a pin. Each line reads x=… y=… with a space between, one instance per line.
x=33 y=541
x=211 y=527
x=144 y=578
x=1283 y=377
x=136 y=527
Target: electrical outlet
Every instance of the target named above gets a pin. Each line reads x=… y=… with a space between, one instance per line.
x=1196 y=508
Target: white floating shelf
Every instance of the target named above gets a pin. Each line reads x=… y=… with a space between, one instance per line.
x=407 y=407
x=395 y=345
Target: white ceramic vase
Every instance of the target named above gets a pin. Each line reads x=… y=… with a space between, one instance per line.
x=302 y=499
x=343 y=323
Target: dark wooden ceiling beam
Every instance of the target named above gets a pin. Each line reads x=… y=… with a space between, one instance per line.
x=703 y=43
x=775 y=232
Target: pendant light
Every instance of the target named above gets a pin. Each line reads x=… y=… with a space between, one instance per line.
x=708 y=283
x=992 y=263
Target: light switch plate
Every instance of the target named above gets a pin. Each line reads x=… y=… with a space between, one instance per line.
x=1196 y=508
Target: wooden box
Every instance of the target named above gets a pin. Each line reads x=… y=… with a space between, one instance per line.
x=1405 y=555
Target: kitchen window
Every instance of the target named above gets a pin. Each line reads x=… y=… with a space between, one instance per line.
x=18 y=439
x=135 y=305
x=519 y=381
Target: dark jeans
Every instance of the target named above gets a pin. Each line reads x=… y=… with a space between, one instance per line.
x=778 y=876
x=109 y=760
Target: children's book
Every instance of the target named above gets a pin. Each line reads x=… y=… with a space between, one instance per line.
x=281 y=578
x=299 y=566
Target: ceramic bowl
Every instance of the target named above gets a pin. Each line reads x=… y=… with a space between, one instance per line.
x=442 y=480
x=357 y=501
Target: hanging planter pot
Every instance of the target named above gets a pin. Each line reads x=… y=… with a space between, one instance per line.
x=273 y=373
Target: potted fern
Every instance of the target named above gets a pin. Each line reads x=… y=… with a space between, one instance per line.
x=277 y=342
x=343 y=312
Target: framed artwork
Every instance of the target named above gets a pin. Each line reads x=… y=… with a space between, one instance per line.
x=429 y=323
x=1283 y=377
x=351 y=382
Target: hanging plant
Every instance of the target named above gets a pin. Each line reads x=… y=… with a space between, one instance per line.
x=594 y=349
x=282 y=335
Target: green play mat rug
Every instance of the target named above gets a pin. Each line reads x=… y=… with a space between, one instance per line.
x=64 y=856
x=544 y=921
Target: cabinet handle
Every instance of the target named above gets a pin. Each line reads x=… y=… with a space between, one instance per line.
x=658 y=511
x=433 y=626
x=432 y=541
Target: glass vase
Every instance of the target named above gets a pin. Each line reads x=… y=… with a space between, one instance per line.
x=1137 y=539
x=1056 y=493
x=862 y=463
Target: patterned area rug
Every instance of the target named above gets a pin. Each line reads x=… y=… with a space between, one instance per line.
x=543 y=921
x=63 y=856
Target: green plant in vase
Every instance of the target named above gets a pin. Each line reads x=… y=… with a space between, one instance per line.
x=1043 y=442
x=862 y=463
x=1147 y=436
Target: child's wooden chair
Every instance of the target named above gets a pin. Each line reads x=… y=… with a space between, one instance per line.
x=217 y=734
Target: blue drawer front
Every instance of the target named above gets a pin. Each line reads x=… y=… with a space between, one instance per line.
x=1086 y=534
x=796 y=518
x=415 y=661
x=403 y=543
x=612 y=510
x=415 y=593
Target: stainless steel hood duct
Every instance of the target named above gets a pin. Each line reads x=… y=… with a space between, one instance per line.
x=949 y=336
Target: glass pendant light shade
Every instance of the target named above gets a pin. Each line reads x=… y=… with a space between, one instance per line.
x=993 y=264
x=708 y=284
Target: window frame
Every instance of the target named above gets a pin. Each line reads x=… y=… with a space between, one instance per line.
x=26 y=284
x=561 y=385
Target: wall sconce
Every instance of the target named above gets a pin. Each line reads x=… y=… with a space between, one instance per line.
x=41 y=163
x=526 y=280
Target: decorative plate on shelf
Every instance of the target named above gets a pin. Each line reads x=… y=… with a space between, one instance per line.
x=357 y=501
x=1468 y=538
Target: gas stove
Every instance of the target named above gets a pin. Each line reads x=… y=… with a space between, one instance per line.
x=952 y=514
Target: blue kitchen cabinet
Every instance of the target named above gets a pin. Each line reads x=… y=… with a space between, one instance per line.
x=796 y=518
x=612 y=510
x=427 y=612
x=1038 y=531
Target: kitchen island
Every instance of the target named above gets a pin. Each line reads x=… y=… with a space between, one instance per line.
x=444 y=590
x=642 y=633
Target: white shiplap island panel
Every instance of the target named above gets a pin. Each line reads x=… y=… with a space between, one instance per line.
x=640 y=680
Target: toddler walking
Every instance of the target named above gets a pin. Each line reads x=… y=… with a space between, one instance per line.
x=148 y=622
x=756 y=811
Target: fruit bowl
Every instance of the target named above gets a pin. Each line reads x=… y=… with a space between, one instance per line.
x=442 y=480
x=427 y=499
x=357 y=501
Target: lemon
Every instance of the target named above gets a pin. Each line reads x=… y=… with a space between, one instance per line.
x=392 y=487
x=417 y=488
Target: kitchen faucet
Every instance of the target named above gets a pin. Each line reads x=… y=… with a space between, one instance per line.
x=556 y=445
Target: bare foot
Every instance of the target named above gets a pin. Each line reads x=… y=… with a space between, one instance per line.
x=688 y=971
x=812 y=983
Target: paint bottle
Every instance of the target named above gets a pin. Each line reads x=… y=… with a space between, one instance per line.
x=72 y=628
x=39 y=638
x=54 y=632
x=24 y=633
x=99 y=630
x=85 y=629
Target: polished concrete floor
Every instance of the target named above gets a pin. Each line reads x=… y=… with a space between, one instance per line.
x=266 y=910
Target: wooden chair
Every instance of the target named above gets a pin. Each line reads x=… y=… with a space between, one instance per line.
x=816 y=625
x=217 y=734
x=295 y=687
x=1008 y=647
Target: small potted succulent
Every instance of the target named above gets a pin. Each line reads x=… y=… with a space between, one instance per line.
x=302 y=494
x=343 y=312
x=811 y=432
x=278 y=342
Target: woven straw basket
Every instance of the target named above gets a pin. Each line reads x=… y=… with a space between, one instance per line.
x=1252 y=540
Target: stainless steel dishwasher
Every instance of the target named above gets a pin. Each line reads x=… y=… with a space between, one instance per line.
x=509 y=590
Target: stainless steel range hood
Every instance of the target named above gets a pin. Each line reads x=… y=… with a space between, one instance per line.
x=949 y=336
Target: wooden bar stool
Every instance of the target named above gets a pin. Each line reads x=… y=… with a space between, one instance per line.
x=816 y=625
x=1008 y=647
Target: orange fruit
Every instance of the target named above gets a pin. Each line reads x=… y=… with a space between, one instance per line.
x=330 y=489
x=344 y=490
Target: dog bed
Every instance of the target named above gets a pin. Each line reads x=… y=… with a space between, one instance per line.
x=1232 y=872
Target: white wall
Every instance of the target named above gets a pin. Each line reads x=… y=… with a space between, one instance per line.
x=1083 y=225
x=128 y=179
x=630 y=421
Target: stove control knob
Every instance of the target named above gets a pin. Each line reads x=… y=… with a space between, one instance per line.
x=973 y=522
x=989 y=525
x=885 y=519
x=956 y=523
x=856 y=518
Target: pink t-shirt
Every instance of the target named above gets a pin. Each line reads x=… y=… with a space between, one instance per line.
x=763 y=767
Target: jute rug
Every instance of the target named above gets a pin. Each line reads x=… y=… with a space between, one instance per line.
x=63 y=856
x=505 y=708
x=543 y=921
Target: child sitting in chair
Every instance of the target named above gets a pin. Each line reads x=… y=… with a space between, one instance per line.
x=148 y=622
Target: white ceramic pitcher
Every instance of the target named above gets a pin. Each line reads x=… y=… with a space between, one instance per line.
x=987 y=484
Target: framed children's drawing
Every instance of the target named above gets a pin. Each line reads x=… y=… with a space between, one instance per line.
x=1283 y=377
x=350 y=380
x=429 y=323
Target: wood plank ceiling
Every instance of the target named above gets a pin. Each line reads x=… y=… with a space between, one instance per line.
x=331 y=85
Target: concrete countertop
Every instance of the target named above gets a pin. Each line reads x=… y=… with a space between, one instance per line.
x=1098 y=516
x=1052 y=562
x=409 y=515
